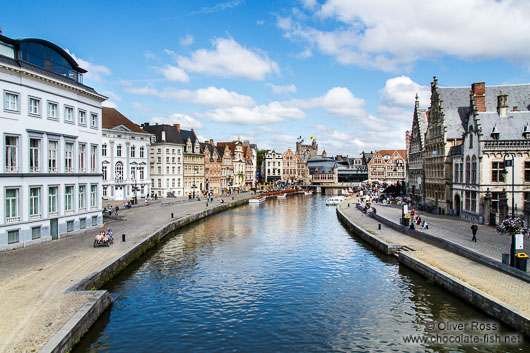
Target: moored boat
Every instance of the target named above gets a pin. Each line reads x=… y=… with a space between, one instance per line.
x=335 y=200
x=281 y=196
x=257 y=200
x=308 y=192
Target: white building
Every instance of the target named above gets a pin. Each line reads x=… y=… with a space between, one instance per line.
x=272 y=166
x=50 y=125
x=167 y=160
x=125 y=158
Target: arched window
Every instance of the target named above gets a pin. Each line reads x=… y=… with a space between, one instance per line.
x=118 y=171
x=468 y=169
x=474 y=170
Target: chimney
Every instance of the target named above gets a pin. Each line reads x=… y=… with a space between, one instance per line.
x=211 y=142
x=478 y=90
x=163 y=135
x=178 y=127
x=515 y=108
x=502 y=104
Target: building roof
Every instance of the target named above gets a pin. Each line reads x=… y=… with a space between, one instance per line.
x=171 y=132
x=508 y=127
x=455 y=106
x=112 y=118
x=402 y=153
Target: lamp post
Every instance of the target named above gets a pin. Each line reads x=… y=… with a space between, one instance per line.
x=511 y=163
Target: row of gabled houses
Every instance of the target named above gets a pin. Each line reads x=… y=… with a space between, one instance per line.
x=470 y=149
x=167 y=161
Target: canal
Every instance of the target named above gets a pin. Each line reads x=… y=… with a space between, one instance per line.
x=283 y=276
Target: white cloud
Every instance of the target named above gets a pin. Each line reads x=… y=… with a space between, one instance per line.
x=187 y=40
x=218 y=7
x=211 y=96
x=338 y=100
x=95 y=72
x=398 y=97
x=109 y=104
x=142 y=107
x=389 y=34
x=173 y=73
x=185 y=121
x=262 y=114
x=229 y=59
x=149 y=55
x=112 y=95
x=281 y=89
x=260 y=22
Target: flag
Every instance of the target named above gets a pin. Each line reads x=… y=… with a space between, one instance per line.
x=312 y=137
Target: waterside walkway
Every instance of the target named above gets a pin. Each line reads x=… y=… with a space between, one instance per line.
x=499 y=294
x=36 y=300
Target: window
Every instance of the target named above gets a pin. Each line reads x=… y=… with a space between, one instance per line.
x=141 y=173
x=69 y=114
x=82 y=155
x=159 y=160
x=159 y=183
x=93 y=158
x=11 y=154
x=34 y=203
x=69 y=226
x=35 y=233
x=94 y=221
x=69 y=198
x=471 y=137
x=104 y=150
x=52 y=156
x=496 y=172
x=104 y=171
x=167 y=159
x=104 y=191
x=11 y=101
x=82 y=117
x=52 y=200
x=34 y=149
x=118 y=172
x=133 y=152
x=118 y=151
x=473 y=201
x=11 y=209
x=474 y=170
x=93 y=120
x=12 y=236
x=133 y=172
x=68 y=158
x=82 y=195
x=82 y=223
x=468 y=169
x=52 y=111
x=526 y=171
x=34 y=106
x=159 y=170
x=142 y=152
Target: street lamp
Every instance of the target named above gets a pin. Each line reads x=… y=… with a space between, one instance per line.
x=510 y=163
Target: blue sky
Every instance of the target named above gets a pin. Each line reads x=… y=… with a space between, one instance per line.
x=344 y=71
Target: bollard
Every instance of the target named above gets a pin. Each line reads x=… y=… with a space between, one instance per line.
x=206 y=204
x=123 y=237
x=379 y=226
x=348 y=205
x=232 y=197
x=171 y=214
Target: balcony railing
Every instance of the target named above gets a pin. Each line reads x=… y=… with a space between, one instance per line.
x=52 y=170
x=12 y=219
x=69 y=170
x=34 y=217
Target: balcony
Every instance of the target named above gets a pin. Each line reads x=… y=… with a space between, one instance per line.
x=12 y=219
x=34 y=217
x=82 y=170
x=93 y=170
x=69 y=170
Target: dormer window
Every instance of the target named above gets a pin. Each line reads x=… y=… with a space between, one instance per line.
x=495 y=133
x=526 y=131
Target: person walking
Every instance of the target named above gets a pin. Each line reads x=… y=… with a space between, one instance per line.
x=474 y=229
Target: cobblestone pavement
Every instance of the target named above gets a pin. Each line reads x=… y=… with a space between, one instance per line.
x=505 y=288
x=34 y=304
x=489 y=242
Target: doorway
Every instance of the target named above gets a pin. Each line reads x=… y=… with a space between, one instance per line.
x=54 y=228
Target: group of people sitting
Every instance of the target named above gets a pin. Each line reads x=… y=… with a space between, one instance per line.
x=420 y=223
x=103 y=236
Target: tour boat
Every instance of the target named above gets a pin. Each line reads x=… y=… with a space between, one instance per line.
x=259 y=199
x=308 y=192
x=335 y=200
x=281 y=196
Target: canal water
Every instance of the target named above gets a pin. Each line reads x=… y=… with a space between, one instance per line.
x=283 y=276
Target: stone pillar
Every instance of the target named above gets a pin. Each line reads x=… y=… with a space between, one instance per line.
x=503 y=206
x=486 y=207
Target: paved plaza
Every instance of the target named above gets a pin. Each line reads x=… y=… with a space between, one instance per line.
x=35 y=279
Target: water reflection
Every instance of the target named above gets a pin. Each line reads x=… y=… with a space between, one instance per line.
x=281 y=276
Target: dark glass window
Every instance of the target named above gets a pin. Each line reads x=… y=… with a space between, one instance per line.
x=47 y=58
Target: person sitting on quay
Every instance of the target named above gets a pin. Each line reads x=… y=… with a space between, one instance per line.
x=373 y=211
x=425 y=225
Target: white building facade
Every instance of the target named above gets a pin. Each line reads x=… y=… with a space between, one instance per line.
x=50 y=125
x=272 y=169
x=125 y=158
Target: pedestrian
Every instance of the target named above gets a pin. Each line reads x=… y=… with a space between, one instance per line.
x=425 y=225
x=418 y=220
x=116 y=210
x=412 y=213
x=474 y=229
